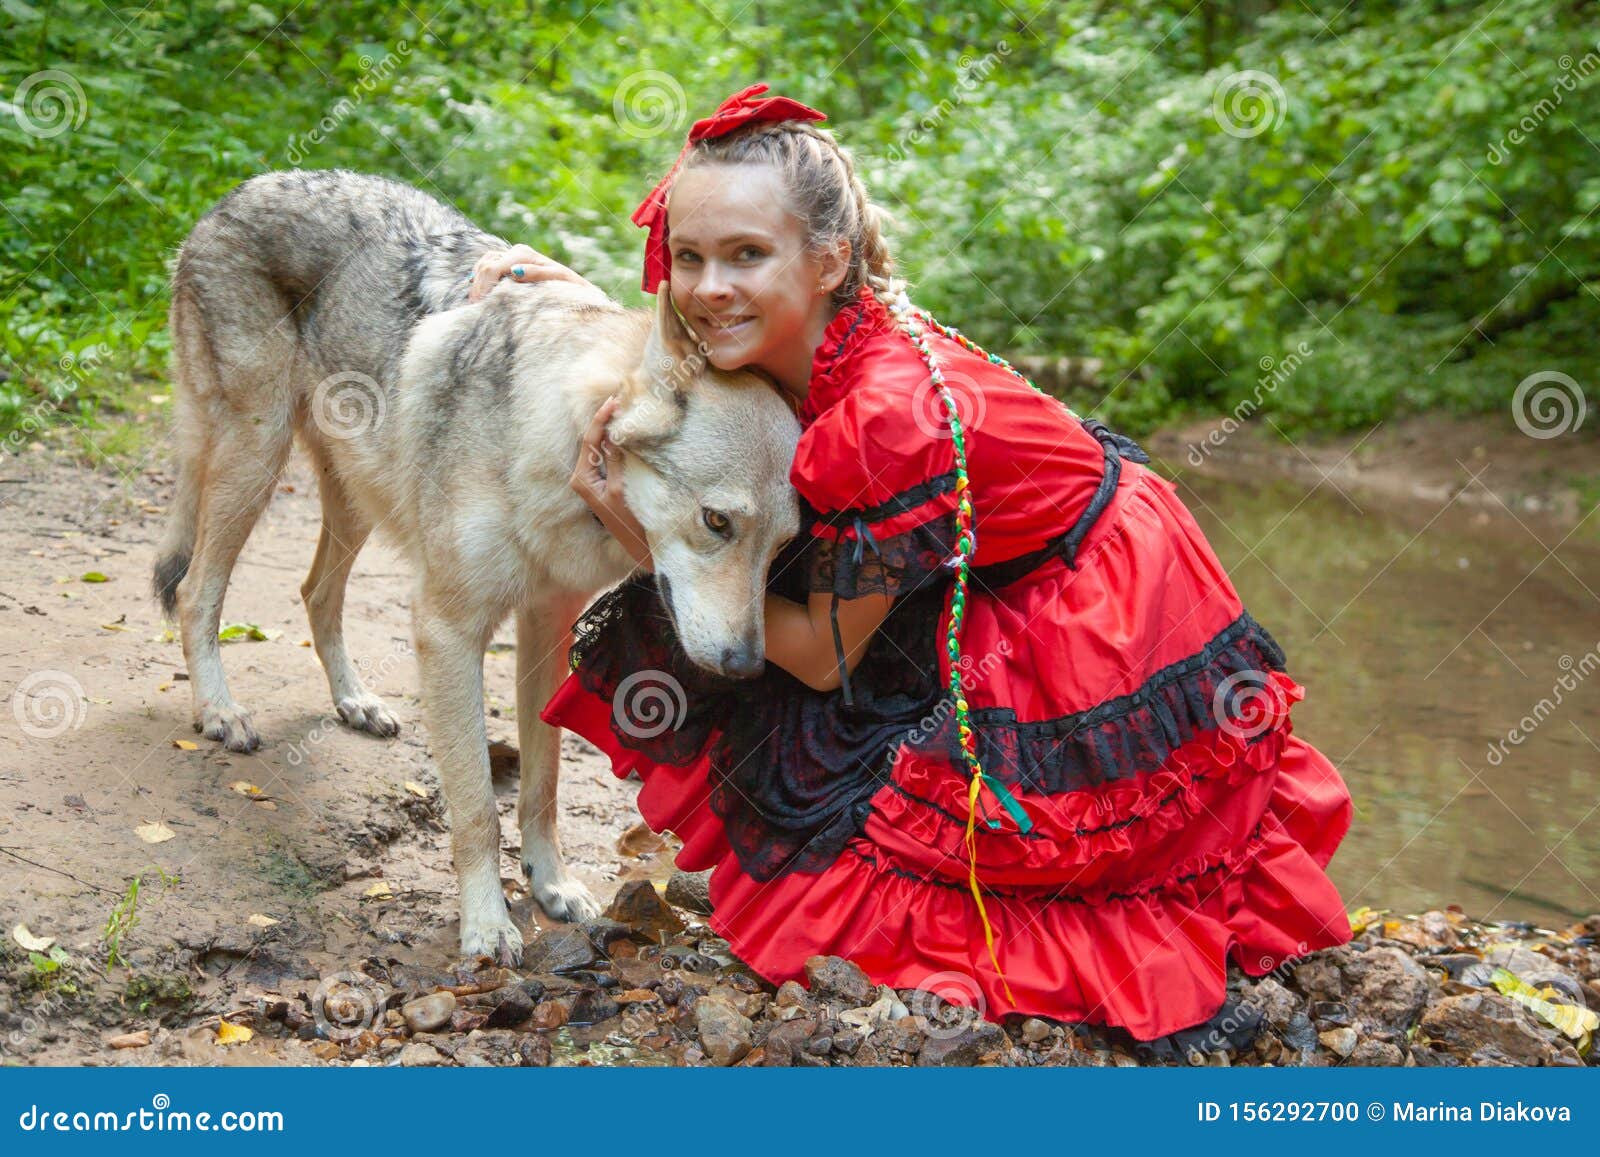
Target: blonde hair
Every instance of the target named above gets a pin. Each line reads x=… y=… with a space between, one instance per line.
x=819 y=179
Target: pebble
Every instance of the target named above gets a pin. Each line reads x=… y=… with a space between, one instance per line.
x=1341 y=1041
x=560 y=950
x=831 y=977
x=417 y=1055
x=1035 y=1030
x=641 y=907
x=512 y=1007
x=725 y=1035
x=690 y=891
x=428 y=1013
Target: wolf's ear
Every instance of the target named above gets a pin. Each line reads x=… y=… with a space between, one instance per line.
x=650 y=411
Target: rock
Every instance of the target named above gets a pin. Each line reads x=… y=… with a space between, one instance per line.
x=533 y=1051
x=418 y=1055
x=1318 y=978
x=690 y=891
x=1299 y=1035
x=792 y=994
x=1328 y=1014
x=560 y=950
x=964 y=1047
x=130 y=1040
x=640 y=906
x=592 y=1005
x=1376 y=1052
x=1340 y=1041
x=512 y=1007
x=725 y=1035
x=603 y=933
x=1387 y=989
x=429 y=1013
x=833 y=978
x=548 y=1015
x=904 y=1036
x=1277 y=1004
x=1429 y=932
x=1487 y=1028
x=785 y=1040
x=1035 y=1030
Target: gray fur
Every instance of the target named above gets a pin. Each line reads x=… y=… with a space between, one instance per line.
x=303 y=291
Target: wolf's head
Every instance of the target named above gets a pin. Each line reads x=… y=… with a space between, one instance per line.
x=707 y=473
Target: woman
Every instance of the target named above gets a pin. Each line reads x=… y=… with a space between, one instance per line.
x=1018 y=740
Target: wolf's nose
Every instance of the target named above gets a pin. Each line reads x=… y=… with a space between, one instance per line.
x=742 y=662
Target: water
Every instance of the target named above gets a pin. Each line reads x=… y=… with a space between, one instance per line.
x=1423 y=638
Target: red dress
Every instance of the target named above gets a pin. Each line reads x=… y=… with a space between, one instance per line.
x=1115 y=683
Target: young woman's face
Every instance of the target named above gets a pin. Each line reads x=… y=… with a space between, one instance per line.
x=740 y=273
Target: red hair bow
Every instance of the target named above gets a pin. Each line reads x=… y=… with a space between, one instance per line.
x=739 y=109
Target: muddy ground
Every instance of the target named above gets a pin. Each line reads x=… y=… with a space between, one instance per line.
x=302 y=897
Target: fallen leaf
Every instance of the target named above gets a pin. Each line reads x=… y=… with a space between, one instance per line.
x=261 y=921
x=130 y=1040
x=186 y=745
x=229 y=1034
x=154 y=832
x=236 y=631
x=29 y=941
x=1571 y=1020
x=165 y=687
x=244 y=788
x=416 y=789
x=93 y=576
x=379 y=891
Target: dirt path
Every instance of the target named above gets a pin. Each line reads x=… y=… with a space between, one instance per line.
x=339 y=815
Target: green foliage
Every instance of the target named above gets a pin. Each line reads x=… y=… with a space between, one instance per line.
x=1406 y=188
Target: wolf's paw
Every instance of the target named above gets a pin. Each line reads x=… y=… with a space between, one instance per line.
x=231 y=725
x=565 y=899
x=366 y=712
x=499 y=939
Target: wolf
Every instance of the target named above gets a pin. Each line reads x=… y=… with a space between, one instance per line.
x=332 y=306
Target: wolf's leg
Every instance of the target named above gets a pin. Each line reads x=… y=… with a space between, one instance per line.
x=344 y=531
x=450 y=661
x=543 y=635
x=243 y=460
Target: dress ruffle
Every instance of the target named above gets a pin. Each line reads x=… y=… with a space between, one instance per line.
x=1148 y=954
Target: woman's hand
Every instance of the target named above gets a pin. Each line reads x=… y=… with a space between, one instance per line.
x=519 y=263
x=598 y=481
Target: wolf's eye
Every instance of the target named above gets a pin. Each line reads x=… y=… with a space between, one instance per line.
x=717 y=521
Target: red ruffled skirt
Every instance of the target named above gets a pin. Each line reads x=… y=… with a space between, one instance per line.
x=1126 y=899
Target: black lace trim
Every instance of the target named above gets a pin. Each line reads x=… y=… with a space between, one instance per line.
x=1131 y=734
x=896 y=565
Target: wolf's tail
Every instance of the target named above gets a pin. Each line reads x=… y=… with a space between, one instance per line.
x=193 y=374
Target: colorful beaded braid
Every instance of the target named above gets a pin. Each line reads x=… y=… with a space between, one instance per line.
x=912 y=321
